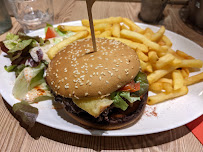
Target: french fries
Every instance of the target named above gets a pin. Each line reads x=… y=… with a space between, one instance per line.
x=158 y=35
x=105 y=34
x=116 y=30
x=177 y=79
x=163 y=96
x=102 y=27
x=110 y=20
x=168 y=71
x=132 y=25
x=164 y=60
x=59 y=46
x=167 y=41
x=141 y=39
x=184 y=55
x=65 y=28
x=193 y=79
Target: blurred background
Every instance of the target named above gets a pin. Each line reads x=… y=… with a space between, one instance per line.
x=158 y=12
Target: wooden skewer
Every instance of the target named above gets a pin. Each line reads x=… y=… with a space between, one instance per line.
x=89 y=10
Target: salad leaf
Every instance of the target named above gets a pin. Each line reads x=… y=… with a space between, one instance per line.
x=118 y=101
x=26 y=112
x=38 y=93
x=60 y=33
x=20 y=46
x=11 y=41
x=37 y=80
x=144 y=85
x=127 y=96
x=35 y=39
x=10 y=68
x=119 y=96
x=18 y=69
x=27 y=79
x=11 y=36
x=14 y=68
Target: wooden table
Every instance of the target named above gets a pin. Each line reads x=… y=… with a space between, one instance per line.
x=15 y=138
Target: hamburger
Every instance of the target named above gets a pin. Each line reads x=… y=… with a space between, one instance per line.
x=103 y=89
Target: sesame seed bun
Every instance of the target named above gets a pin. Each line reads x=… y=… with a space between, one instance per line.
x=78 y=72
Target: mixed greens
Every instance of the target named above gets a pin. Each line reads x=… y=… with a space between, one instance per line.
x=29 y=62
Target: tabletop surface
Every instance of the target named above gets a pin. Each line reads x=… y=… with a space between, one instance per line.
x=14 y=137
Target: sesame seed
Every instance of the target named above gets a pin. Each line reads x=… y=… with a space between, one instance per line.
x=65 y=70
x=87 y=81
x=76 y=97
x=67 y=85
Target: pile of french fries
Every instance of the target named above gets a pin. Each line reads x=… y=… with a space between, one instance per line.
x=167 y=70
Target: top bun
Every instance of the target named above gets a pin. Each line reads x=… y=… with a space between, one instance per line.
x=78 y=72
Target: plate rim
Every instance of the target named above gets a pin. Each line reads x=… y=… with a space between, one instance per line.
x=125 y=134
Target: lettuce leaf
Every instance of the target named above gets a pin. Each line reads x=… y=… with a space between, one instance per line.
x=118 y=101
x=60 y=33
x=26 y=112
x=144 y=85
x=10 y=68
x=119 y=97
x=27 y=80
x=11 y=36
x=38 y=93
x=11 y=41
x=127 y=96
x=20 y=46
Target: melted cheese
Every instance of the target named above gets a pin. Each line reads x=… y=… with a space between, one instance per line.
x=94 y=106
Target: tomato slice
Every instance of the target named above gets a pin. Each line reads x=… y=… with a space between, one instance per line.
x=50 y=33
x=131 y=87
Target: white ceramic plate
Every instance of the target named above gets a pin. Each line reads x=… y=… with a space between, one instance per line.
x=170 y=114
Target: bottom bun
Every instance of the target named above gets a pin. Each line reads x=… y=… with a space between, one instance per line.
x=126 y=121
